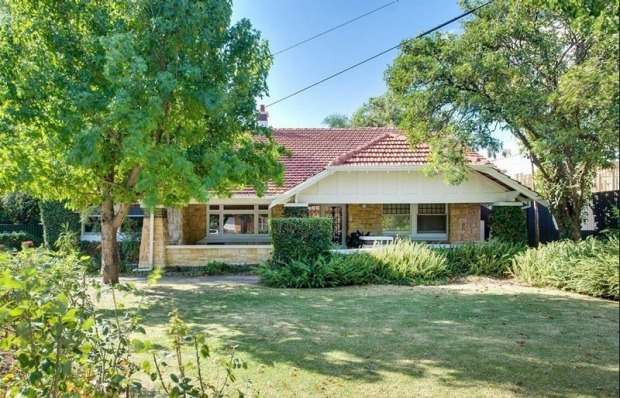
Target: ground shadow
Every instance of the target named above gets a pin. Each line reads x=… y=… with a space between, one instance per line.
x=528 y=342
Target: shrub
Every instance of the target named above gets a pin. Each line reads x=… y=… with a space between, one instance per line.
x=493 y=258
x=296 y=212
x=300 y=239
x=56 y=345
x=326 y=271
x=589 y=266
x=19 y=208
x=406 y=262
x=55 y=217
x=508 y=223
x=14 y=240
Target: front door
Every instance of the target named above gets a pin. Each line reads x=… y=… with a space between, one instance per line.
x=336 y=214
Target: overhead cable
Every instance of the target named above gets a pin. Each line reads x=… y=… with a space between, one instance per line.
x=380 y=54
x=334 y=28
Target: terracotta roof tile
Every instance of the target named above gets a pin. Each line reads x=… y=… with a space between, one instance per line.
x=313 y=149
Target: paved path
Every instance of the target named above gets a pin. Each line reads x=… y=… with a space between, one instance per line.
x=228 y=280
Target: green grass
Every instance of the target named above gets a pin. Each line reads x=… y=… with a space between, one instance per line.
x=471 y=339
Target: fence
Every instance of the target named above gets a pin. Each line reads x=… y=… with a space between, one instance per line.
x=599 y=217
x=33 y=229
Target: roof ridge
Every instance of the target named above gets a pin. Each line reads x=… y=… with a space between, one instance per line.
x=340 y=160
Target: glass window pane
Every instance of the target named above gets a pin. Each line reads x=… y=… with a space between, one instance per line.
x=399 y=208
x=263 y=224
x=432 y=224
x=214 y=224
x=400 y=223
x=263 y=207
x=214 y=207
x=235 y=224
x=132 y=225
x=93 y=224
x=431 y=208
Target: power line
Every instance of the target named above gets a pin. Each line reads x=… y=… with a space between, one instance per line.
x=380 y=54
x=334 y=28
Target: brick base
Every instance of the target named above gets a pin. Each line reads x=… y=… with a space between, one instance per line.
x=464 y=223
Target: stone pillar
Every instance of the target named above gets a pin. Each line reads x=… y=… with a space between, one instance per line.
x=366 y=218
x=464 y=223
x=194 y=223
x=277 y=211
x=160 y=239
x=175 y=226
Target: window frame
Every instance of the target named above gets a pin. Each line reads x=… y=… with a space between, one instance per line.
x=257 y=211
x=413 y=232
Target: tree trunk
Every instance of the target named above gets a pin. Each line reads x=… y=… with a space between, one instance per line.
x=110 y=258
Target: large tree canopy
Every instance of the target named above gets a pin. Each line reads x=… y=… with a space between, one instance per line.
x=539 y=73
x=110 y=102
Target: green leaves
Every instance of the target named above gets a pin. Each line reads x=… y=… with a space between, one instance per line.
x=537 y=73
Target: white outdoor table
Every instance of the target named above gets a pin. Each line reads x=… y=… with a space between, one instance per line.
x=381 y=240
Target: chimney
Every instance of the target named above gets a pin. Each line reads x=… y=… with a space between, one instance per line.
x=262 y=116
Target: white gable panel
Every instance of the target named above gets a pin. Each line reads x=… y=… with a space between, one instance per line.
x=401 y=187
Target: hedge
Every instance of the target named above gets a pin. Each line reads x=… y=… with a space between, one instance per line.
x=300 y=239
x=296 y=212
x=508 y=224
x=54 y=216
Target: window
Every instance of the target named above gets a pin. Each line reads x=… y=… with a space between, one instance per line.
x=432 y=218
x=238 y=220
x=424 y=220
x=397 y=217
x=132 y=224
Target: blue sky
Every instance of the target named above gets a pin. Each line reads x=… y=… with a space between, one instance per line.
x=286 y=22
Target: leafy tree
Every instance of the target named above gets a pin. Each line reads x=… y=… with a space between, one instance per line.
x=19 y=208
x=111 y=102
x=538 y=73
x=381 y=111
x=336 y=120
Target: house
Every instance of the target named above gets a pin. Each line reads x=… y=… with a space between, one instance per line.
x=366 y=179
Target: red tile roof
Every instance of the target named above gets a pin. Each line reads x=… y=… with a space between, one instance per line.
x=313 y=149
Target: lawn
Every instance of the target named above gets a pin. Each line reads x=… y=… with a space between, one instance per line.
x=479 y=338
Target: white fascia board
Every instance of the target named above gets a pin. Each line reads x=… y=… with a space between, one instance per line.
x=283 y=198
x=525 y=191
x=236 y=199
x=375 y=168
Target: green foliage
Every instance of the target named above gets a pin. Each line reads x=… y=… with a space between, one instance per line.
x=407 y=263
x=336 y=120
x=508 y=223
x=295 y=239
x=492 y=258
x=55 y=216
x=296 y=212
x=212 y=268
x=588 y=267
x=107 y=103
x=382 y=111
x=401 y=263
x=19 y=208
x=56 y=345
x=15 y=240
x=530 y=71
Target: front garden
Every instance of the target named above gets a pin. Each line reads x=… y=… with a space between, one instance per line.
x=407 y=320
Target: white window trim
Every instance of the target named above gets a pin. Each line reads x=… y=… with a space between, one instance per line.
x=428 y=235
x=256 y=212
x=413 y=231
